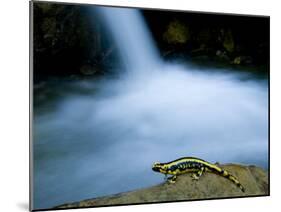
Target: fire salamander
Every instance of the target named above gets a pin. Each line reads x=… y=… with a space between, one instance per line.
x=192 y=165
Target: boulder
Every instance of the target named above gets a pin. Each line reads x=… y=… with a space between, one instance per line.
x=209 y=186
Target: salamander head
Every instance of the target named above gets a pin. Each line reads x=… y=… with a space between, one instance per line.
x=160 y=167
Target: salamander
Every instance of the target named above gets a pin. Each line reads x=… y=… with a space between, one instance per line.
x=193 y=165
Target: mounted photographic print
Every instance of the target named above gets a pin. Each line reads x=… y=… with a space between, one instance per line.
x=137 y=105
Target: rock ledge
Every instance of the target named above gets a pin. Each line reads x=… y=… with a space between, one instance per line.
x=209 y=186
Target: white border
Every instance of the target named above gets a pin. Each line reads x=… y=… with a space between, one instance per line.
x=14 y=93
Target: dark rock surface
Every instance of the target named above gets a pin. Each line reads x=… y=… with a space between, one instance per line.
x=254 y=179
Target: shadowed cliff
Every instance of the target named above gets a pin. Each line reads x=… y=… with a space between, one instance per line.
x=254 y=179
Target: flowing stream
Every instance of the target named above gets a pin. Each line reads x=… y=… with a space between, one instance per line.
x=101 y=137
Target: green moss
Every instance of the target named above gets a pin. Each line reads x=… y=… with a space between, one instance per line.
x=237 y=60
x=228 y=41
x=176 y=33
x=45 y=7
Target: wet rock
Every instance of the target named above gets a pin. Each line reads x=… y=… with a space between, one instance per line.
x=254 y=179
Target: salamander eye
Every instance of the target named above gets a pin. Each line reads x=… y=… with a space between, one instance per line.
x=165 y=168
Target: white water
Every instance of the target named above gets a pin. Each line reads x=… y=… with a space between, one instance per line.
x=105 y=142
x=133 y=40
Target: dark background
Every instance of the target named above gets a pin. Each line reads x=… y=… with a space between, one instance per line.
x=69 y=40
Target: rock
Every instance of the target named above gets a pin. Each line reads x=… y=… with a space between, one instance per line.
x=65 y=36
x=242 y=60
x=209 y=186
x=88 y=70
x=222 y=55
x=204 y=35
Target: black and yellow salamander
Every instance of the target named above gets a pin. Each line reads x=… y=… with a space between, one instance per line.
x=192 y=165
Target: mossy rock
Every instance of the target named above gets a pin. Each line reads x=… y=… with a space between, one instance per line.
x=228 y=41
x=176 y=33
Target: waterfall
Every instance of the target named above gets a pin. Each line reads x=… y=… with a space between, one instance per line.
x=134 y=42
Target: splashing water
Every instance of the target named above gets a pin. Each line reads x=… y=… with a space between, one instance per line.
x=105 y=142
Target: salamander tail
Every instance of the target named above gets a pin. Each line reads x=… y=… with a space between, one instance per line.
x=225 y=174
x=233 y=179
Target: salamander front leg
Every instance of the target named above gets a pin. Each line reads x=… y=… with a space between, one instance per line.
x=172 y=179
